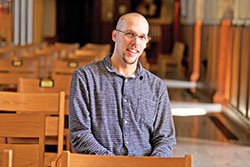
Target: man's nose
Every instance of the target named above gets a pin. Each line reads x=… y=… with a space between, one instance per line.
x=136 y=39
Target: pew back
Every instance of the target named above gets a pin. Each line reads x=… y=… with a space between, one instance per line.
x=24 y=126
x=11 y=70
x=74 y=160
x=66 y=67
x=51 y=104
x=62 y=83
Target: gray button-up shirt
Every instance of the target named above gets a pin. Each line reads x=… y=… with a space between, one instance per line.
x=114 y=115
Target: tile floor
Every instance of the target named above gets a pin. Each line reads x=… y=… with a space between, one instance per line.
x=212 y=139
x=209 y=153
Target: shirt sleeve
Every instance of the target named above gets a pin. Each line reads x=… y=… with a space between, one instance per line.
x=82 y=139
x=163 y=138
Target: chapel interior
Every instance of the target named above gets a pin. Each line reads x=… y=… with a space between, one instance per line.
x=199 y=48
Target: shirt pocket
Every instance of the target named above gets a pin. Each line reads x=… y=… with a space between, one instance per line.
x=145 y=112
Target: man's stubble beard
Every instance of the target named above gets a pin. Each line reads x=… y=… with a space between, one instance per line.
x=130 y=63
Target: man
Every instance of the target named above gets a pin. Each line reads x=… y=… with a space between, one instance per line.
x=116 y=106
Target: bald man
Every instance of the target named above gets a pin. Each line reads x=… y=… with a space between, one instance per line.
x=116 y=106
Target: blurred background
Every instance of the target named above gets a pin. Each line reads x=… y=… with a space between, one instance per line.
x=199 y=48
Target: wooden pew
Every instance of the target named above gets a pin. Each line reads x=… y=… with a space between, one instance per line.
x=66 y=67
x=44 y=56
x=66 y=48
x=25 y=126
x=6 y=158
x=8 y=52
x=5 y=53
x=12 y=51
x=62 y=83
x=75 y=160
x=104 y=49
x=51 y=104
x=87 y=55
x=26 y=85
x=91 y=52
x=11 y=70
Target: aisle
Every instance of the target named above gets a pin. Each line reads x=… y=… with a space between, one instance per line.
x=207 y=134
x=208 y=153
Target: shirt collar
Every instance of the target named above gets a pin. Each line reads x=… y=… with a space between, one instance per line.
x=110 y=68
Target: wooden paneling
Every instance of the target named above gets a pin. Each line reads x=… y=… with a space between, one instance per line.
x=38 y=21
x=167 y=38
x=235 y=66
x=223 y=57
x=228 y=60
x=107 y=28
x=208 y=52
x=213 y=56
x=204 y=52
x=190 y=45
x=214 y=61
x=187 y=36
x=6 y=24
x=49 y=18
x=244 y=70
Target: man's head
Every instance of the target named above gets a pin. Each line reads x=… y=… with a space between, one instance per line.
x=130 y=37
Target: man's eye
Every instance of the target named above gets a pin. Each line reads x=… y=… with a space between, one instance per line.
x=129 y=34
x=142 y=37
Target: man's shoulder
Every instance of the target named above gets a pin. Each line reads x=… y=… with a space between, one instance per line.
x=154 y=85
x=90 y=67
x=152 y=77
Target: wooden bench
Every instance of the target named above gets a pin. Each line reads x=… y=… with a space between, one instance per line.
x=75 y=160
x=87 y=55
x=24 y=126
x=104 y=49
x=51 y=104
x=11 y=70
x=26 y=85
x=66 y=67
x=66 y=48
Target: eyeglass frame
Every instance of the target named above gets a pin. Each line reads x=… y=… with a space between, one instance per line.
x=147 y=39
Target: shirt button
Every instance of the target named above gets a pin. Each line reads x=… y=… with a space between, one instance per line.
x=126 y=100
x=125 y=122
x=127 y=142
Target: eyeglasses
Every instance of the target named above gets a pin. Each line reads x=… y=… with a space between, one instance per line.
x=131 y=35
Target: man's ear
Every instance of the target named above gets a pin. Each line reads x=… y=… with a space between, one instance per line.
x=114 y=33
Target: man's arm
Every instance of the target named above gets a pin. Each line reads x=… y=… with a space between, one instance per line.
x=163 y=137
x=82 y=139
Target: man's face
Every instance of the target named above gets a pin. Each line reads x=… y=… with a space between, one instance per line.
x=130 y=39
